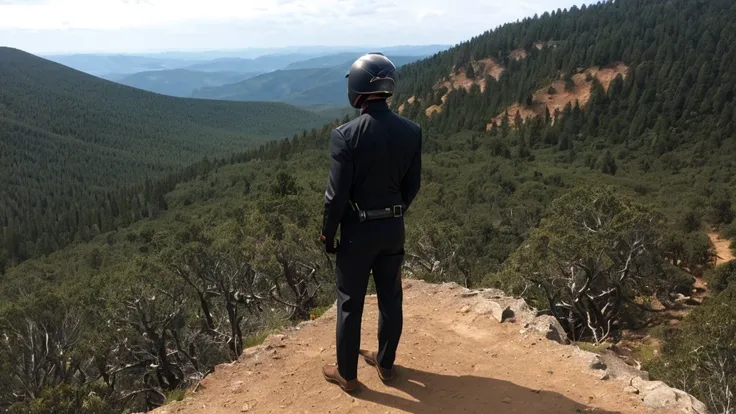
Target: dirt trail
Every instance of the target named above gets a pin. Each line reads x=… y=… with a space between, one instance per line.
x=723 y=248
x=450 y=360
x=633 y=341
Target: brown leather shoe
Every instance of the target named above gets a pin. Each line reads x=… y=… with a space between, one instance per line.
x=371 y=358
x=331 y=374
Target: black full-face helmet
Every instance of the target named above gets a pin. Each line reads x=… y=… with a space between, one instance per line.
x=371 y=74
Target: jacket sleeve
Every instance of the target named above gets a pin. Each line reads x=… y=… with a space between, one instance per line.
x=413 y=178
x=337 y=194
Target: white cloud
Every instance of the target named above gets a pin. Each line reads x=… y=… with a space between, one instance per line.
x=183 y=24
x=118 y=14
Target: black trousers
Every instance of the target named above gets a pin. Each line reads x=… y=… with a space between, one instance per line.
x=375 y=246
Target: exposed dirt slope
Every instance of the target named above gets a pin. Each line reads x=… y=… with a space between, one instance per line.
x=458 y=79
x=723 y=248
x=518 y=54
x=581 y=93
x=451 y=359
x=410 y=101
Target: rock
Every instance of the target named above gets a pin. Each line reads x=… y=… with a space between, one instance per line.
x=619 y=369
x=236 y=387
x=517 y=309
x=493 y=293
x=496 y=310
x=520 y=307
x=506 y=400
x=630 y=390
x=249 y=352
x=680 y=298
x=592 y=361
x=465 y=309
x=657 y=394
x=660 y=397
x=550 y=327
x=469 y=293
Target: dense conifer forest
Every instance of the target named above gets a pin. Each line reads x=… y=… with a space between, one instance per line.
x=630 y=179
x=70 y=142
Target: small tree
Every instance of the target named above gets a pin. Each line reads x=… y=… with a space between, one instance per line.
x=720 y=209
x=569 y=83
x=285 y=184
x=470 y=71
x=608 y=164
x=593 y=253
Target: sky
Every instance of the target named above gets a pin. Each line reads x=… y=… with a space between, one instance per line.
x=129 y=26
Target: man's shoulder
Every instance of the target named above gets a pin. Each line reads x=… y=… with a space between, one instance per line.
x=413 y=125
x=354 y=124
x=349 y=126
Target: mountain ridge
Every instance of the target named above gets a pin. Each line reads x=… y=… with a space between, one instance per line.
x=304 y=86
x=179 y=82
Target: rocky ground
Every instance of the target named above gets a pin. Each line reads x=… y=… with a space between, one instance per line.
x=462 y=351
x=724 y=253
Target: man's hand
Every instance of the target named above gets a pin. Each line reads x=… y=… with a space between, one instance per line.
x=330 y=246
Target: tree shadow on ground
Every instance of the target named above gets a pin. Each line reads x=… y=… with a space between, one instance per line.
x=436 y=393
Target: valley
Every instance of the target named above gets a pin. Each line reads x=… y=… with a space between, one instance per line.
x=81 y=154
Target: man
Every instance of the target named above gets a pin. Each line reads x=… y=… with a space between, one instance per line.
x=374 y=177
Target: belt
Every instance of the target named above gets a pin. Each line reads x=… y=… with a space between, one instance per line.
x=394 y=211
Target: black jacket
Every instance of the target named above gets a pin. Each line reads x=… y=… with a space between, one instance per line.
x=376 y=163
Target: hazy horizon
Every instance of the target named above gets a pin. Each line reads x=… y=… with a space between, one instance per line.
x=254 y=50
x=159 y=26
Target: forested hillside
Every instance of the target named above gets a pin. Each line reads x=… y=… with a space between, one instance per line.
x=679 y=56
x=70 y=141
x=592 y=213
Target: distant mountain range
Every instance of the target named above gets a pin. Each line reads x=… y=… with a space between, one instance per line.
x=179 y=82
x=313 y=81
x=285 y=74
x=104 y=65
x=265 y=63
x=113 y=66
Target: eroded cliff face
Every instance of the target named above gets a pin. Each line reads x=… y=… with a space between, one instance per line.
x=462 y=351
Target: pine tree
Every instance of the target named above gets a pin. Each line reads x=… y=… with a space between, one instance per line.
x=608 y=163
x=470 y=71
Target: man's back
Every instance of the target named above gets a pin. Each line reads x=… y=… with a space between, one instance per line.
x=383 y=152
x=385 y=146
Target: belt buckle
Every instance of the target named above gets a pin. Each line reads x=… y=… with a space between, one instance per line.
x=397 y=210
